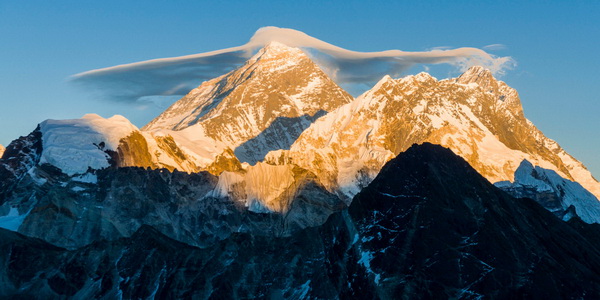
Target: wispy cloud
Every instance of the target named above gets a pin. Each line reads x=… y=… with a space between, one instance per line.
x=494 y=47
x=178 y=75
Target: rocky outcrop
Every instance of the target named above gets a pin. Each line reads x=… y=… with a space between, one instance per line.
x=264 y=105
x=453 y=235
x=111 y=203
x=429 y=226
x=18 y=159
x=475 y=115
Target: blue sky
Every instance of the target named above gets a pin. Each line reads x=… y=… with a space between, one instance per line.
x=555 y=45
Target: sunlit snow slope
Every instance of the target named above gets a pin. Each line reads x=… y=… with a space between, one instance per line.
x=280 y=108
x=475 y=115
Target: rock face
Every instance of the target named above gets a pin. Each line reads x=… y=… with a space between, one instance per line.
x=2 y=149
x=279 y=108
x=453 y=235
x=447 y=230
x=475 y=115
x=563 y=197
x=108 y=204
x=264 y=105
x=18 y=159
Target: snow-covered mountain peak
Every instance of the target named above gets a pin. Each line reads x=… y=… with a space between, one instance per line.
x=385 y=80
x=424 y=77
x=264 y=105
x=477 y=74
x=276 y=57
x=76 y=144
x=554 y=192
x=276 y=48
x=475 y=115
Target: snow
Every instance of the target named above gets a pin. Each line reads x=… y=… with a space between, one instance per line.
x=365 y=261
x=12 y=221
x=311 y=88
x=572 y=193
x=38 y=180
x=348 y=146
x=305 y=288
x=86 y=178
x=263 y=187
x=227 y=182
x=77 y=189
x=524 y=175
x=154 y=77
x=2 y=149
x=265 y=184
x=75 y=145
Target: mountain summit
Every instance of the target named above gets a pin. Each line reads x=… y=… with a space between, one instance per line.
x=264 y=104
x=478 y=117
x=279 y=115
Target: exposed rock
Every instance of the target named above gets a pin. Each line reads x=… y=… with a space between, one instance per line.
x=429 y=226
x=264 y=105
x=475 y=115
x=19 y=157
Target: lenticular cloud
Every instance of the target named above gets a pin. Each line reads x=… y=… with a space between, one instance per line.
x=178 y=75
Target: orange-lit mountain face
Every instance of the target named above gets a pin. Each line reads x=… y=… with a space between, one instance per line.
x=279 y=115
x=351 y=194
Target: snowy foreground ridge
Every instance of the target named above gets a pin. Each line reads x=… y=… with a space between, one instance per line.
x=280 y=113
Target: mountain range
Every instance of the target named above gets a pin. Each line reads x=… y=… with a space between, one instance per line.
x=275 y=158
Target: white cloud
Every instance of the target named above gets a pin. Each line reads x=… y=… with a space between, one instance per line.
x=494 y=47
x=178 y=75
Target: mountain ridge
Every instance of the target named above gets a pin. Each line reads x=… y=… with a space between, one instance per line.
x=469 y=242
x=477 y=116
x=270 y=110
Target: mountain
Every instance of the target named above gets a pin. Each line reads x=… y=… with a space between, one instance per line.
x=475 y=115
x=2 y=149
x=271 y=181
x=263 y=105
x=563 y=197
x=452 y=234
x=447 y=230
x=39 y=200
x=279 y=116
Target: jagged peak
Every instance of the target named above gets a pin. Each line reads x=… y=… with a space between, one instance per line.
x=424 y=76
x=476 y=74
x=385 y=79
x=277 y=50
x=526 y=165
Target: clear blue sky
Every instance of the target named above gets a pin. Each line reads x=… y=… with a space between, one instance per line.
x=554 y=43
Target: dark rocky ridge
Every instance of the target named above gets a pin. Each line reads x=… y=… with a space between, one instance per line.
x=20 y=156
x=111 y=203
x=429 y=226
x=453 y=234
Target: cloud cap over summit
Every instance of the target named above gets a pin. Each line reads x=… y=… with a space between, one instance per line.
x=178 y=75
